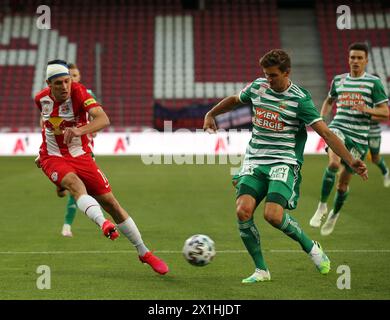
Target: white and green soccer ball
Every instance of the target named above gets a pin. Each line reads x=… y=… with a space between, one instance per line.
x=199 y=250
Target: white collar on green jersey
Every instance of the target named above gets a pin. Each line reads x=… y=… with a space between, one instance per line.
x=356 y=78
x=285 y=91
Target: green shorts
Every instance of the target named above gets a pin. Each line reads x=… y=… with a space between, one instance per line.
x=279 y=182
x=374 y=144
x=358 y=150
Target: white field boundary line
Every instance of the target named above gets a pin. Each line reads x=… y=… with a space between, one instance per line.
x=179 y=252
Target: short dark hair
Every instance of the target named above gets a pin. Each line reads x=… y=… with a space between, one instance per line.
x=361 y=46
x=276 y=57
x=72 y=66
x=58 y=61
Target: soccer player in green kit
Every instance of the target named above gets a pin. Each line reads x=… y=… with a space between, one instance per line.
x=71 y=206
x=360 y=98
x=374 y=145
x=274 y=156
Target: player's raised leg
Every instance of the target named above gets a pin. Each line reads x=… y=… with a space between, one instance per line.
x=128 y=227
x=62 y=172
x=274 y=213
x=88 y=204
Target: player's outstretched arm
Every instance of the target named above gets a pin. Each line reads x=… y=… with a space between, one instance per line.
x=379 y=113
x=100 y=121
x=338 y=147
x=225 y=105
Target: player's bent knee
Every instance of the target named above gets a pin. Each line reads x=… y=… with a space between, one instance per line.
x=244 y=211
x=334 y=166
x=272 y=217
x=73 y=183
x=342 y=187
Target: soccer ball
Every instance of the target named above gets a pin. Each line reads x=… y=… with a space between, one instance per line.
x=199 y=250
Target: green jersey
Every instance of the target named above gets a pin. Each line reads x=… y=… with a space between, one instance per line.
x=366 y=90
x=279 y=123
x=375 y=130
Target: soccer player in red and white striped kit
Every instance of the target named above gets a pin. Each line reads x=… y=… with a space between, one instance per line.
x=65 y=156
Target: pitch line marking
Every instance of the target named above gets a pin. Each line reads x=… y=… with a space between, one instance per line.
x=178 y=252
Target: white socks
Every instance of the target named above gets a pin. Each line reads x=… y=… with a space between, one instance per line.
x=91 y=208
x=130 y=230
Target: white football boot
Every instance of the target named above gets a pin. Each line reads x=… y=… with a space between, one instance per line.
x=258 y=276
x=67 y=231
x=329 y=224
x=386 y=180
x=319 y=215
x=319 y=258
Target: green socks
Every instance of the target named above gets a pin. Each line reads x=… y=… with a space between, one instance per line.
x=327 y=184
x=382 y=166
x=251 y=238
x=291 y=228
x=71 y=208
x=339 y=201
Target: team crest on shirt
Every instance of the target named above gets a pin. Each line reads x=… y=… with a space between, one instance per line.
x=47 y=105
x=65 y=108
x=282 y=105
x=54 y=176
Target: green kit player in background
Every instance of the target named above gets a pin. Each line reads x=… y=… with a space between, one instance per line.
x=71 y=206
x=374 y=145
x=274 y=157
x=360 y=99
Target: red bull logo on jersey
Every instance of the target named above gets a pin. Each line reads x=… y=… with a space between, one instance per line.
x=351 y=99
x=58 y=125
x=268 y=119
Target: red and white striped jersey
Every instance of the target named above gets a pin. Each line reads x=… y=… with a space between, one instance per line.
x=57 y=116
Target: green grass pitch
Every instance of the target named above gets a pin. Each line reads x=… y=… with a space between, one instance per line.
x=169 y=203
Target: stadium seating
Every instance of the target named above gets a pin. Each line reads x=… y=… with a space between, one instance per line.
x=370 y=23
x=202 y=55
x=159 y=52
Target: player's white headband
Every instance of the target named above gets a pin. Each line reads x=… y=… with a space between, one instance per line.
x=56 y=70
